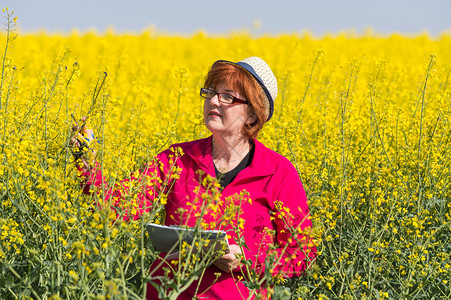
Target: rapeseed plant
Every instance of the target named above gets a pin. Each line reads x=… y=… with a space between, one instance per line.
x=365 y=120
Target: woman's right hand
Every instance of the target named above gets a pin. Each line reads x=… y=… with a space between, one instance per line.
x=81 y=144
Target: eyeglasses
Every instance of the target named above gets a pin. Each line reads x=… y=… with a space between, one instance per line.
x=223 y=97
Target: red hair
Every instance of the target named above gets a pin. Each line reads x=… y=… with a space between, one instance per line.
x=243 y=83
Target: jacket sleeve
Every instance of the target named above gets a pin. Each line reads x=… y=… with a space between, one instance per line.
x=133 y=196
x=294 y=250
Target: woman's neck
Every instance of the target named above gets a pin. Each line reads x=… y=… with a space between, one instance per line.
x=228 y=153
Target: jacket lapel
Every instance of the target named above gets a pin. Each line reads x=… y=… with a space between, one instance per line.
x=262 y=165
x=200 y=152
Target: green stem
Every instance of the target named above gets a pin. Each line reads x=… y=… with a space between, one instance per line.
x=308 y=86
x=420 y=136
x=8 y=33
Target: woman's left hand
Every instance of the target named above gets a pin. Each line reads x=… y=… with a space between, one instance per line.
x=229 y=262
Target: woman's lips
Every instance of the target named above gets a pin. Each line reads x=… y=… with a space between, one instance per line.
x=214 y=114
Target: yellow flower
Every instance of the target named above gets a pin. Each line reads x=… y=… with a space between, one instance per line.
x=73 y=275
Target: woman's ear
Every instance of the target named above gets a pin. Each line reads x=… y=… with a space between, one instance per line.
x=251 y=119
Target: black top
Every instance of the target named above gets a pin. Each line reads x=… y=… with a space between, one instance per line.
x=226 y=178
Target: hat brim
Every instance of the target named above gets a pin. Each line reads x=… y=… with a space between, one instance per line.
x=248 y=68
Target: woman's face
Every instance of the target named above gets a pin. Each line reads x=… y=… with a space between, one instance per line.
x=223 y=119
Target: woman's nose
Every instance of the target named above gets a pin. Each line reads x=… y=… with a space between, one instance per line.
x=215 y=100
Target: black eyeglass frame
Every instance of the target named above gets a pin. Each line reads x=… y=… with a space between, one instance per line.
x=234 y=99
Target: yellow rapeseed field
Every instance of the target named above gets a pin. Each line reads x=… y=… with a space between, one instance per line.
x=365 y=119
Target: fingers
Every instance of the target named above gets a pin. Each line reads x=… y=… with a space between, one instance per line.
x=81 y=132
x=81 y=141
x=77 y=127
x=227 y=263
x=74 y=143
x=224 y=265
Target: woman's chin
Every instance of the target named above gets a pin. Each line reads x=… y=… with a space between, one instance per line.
x=214 y=124
x=214 y=131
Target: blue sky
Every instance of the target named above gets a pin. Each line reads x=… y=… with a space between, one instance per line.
x=215 y=17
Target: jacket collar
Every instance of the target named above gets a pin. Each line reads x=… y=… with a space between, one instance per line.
x=262 y=163
x=200 y=152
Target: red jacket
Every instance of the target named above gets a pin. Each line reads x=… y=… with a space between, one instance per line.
x=274 y=198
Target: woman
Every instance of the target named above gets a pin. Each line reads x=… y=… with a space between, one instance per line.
x=239 y=99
